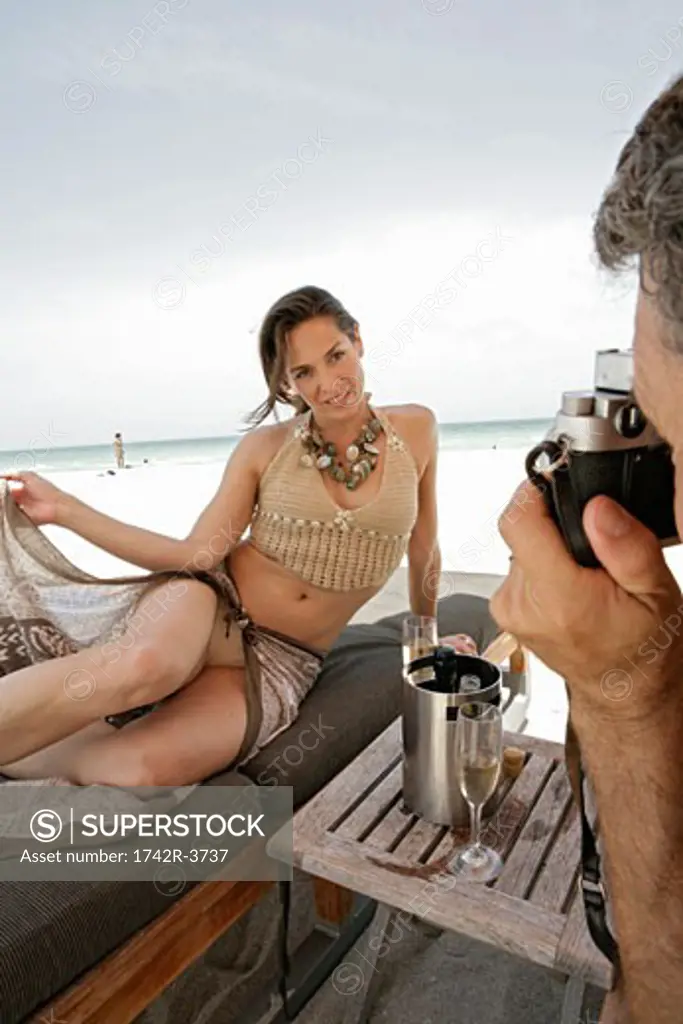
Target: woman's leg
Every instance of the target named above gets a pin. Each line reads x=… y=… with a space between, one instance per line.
x=196 y=732
x=46 y=763
x=163 y=647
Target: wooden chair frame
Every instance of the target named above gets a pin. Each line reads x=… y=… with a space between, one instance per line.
x=124 y=983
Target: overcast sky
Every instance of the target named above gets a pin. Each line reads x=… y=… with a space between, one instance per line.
x=172 y=167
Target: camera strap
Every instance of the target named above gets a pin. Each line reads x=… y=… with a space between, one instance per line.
x=590 y=881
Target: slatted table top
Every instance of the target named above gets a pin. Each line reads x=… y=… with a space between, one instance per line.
x=355 y=832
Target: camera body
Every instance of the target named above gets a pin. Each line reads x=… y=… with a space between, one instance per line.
x=601 y=443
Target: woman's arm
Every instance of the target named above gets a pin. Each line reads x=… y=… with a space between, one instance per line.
x=217 y=529
x=424 y=554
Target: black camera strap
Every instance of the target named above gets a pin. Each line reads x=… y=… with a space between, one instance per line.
x=592 y=888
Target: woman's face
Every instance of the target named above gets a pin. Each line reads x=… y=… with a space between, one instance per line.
x=324 y=367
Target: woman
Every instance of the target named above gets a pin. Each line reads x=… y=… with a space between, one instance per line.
x=211 y=654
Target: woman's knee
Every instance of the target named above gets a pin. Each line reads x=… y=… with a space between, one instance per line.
x=105 y=768
x=150 y=671
x=145 y=664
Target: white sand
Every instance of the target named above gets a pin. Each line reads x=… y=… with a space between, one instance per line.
x=473 y=489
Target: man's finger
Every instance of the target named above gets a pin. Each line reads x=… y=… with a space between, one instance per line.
x=629 y=552
x=535 y=541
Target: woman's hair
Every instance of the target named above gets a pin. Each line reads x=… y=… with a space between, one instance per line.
x=288 y=312
x=640 y=218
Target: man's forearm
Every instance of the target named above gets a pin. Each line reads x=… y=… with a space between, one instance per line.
x=424 y=570
x=636 y=771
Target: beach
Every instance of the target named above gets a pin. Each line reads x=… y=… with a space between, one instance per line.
x=473 y=488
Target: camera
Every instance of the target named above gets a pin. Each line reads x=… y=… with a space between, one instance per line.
x=602 y=443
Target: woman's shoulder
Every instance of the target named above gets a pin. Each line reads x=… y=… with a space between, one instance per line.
x=264 y=442
x=417 y=427
x=418 y=419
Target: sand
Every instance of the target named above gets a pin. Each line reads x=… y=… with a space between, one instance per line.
x=473 y=488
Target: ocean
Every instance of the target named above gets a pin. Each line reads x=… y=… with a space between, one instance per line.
x=202 y=450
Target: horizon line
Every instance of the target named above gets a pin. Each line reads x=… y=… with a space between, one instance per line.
x=228 y=437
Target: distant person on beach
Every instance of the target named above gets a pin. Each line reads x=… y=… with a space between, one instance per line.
x=199 y=665
x=614 y=633
x=119 y=453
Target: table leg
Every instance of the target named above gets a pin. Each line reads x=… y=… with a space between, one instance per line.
x=572 y=1005
x=360 y=1002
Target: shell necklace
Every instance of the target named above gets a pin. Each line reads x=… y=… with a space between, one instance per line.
x=362 y=454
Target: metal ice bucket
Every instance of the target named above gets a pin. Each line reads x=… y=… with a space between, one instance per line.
x=429 y=714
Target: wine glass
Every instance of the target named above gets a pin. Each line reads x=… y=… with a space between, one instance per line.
x=479 y=750
x=420 y=638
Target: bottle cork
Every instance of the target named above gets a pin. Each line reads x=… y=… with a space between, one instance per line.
x=513 y=762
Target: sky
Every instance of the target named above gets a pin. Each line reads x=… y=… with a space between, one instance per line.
x=171 y=168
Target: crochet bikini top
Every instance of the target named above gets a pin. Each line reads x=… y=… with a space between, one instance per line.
x=297 y=523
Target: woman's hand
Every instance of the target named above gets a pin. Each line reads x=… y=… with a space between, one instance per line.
x=460 y=642
x=40 y=500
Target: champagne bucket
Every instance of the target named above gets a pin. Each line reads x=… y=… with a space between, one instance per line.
x=429 y=715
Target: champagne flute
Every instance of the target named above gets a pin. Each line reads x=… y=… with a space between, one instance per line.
x=479 y=750
x=420 y=638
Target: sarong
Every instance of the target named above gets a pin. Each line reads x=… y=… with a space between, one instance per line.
x=279 y=670
x=49 y=609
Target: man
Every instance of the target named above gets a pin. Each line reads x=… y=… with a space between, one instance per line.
x=616 y=634
x=119 y=454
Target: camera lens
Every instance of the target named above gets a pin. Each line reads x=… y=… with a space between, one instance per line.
x=630 y=421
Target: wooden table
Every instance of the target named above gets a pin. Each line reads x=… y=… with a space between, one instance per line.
x=355 y=833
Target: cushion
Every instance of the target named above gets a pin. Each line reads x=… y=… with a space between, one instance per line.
x=51 y=932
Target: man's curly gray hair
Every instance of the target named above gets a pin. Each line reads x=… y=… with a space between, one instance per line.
x=640 y=218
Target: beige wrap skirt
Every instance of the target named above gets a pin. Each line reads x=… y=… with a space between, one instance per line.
x=279 y=671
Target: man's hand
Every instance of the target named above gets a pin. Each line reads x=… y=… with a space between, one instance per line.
x=614 y=634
